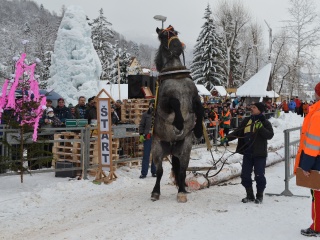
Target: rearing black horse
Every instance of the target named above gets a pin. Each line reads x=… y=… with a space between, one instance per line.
x=178 y=115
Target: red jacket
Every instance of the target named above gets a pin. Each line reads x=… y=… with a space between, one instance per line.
x=298 y=102
x=285 y=107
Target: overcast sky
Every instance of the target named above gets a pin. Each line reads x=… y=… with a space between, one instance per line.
x=134 y=18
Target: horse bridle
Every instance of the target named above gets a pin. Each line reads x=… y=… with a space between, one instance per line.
x=168 y=30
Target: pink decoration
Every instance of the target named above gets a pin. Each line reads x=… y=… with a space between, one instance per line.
x=24 y=81
x=3 y=96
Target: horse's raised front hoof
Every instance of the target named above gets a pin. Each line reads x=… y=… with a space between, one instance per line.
x=155 y=196
x=182 y=197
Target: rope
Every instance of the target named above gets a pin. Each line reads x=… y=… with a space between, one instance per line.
x=207 y=176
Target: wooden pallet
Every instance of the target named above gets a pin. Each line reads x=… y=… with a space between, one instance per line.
x=127 y=162
x=71 y=151
x=132 y=110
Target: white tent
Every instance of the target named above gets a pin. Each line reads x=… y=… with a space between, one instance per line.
x=113 y=90
x=272 y=94
x=221 y=90
x=256 y=86
x=202 y=90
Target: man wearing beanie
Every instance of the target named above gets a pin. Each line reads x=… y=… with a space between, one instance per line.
x=308 y=158
x=252 y=135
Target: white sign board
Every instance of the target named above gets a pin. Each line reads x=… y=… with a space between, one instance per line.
x=105 y=149
x=104 y=129
x=104 y=115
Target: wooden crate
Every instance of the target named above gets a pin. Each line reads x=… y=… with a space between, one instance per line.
x=127 y=162
x=71 y=151
x=63 y=151
x=132 y=110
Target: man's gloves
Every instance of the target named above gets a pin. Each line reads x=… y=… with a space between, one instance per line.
x=141 y=139
x=258 y=125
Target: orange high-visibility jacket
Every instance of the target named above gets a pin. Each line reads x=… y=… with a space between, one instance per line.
x=310 y=134
x=226 y=115
x=214 y=121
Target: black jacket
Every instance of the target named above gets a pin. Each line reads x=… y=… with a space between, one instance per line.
x=145 y=123
x=91 y=113
x=260 y=137
x=63 y=113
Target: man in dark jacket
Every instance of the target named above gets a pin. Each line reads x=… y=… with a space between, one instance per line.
x=91 y=112
x=114 y=116
x=80 y=108
x=62 y=112
x=117 y=109
x=252 y=135
x=145 y=127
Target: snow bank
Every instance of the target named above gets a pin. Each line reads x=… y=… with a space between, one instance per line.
x=232 y=168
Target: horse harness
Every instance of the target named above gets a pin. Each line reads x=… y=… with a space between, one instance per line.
x=165 y=74
x=169 y=30
x=173 y=73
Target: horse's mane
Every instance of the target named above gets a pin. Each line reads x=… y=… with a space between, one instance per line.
x=158 y=59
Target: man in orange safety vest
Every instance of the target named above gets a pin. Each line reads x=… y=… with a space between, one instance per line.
x=308 y=158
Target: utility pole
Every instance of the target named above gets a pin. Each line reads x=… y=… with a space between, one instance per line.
x=270 y=41
x=269 y=87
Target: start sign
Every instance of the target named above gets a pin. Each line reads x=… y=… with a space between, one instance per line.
x=103 y=100
x=104 y=130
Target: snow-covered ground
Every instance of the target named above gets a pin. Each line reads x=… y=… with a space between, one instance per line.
x=45 y=207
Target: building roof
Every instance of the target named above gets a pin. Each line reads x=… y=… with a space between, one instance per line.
x=221 y=90
x=202 y=90
x=256 y=86
x=272 y=94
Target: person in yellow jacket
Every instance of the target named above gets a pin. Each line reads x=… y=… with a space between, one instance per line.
x=308 y=158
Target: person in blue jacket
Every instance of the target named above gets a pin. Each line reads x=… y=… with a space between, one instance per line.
x=292 y=105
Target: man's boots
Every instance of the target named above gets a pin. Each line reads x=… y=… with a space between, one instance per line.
x=249 y=197
x=259 y=198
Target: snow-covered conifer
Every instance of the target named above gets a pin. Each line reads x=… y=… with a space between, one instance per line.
x=207 y=64
x=121 y=58
x=101 y=36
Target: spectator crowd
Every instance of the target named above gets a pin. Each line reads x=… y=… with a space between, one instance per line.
x=83 y=110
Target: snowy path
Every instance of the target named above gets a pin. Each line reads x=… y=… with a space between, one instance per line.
x=123 y=210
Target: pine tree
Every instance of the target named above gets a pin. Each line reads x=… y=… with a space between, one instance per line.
x=101 y=36
x=121 y=58
x=206 y=66
x=135 y=50
x=45 y=71
x=235 y=65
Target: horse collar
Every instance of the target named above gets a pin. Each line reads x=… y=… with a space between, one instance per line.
x=174 y=72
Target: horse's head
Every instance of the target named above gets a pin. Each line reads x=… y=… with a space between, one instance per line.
x=170 y=41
